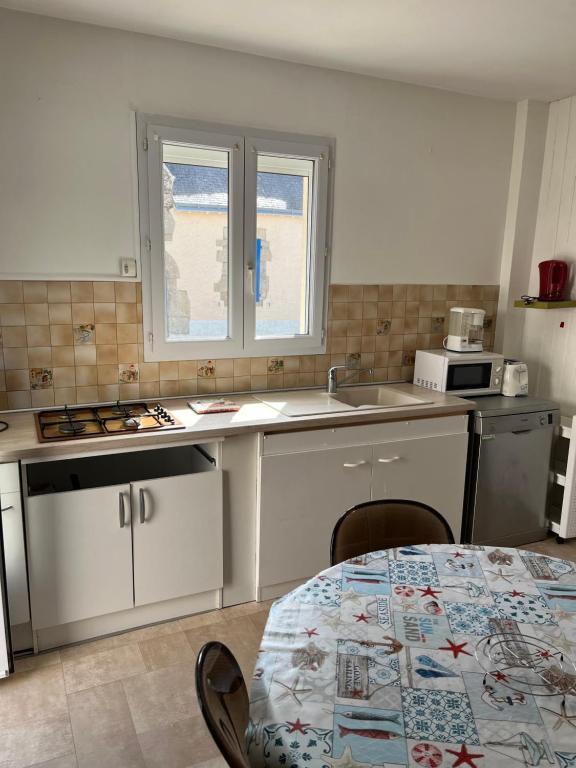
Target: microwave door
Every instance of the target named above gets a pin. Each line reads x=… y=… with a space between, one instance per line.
x=468 y=376
x=6 y=659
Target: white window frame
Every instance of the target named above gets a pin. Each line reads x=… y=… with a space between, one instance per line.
x=243 y=146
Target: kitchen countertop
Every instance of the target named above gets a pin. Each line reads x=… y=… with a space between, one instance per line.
x=20 y=441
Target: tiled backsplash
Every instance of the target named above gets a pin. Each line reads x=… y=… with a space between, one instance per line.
x=80 y=342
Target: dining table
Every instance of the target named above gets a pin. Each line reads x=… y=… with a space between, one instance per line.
x=431 y=656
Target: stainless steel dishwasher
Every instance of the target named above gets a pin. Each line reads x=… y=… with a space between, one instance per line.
x=509 y=470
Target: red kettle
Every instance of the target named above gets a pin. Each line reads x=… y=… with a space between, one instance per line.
x=553 y=278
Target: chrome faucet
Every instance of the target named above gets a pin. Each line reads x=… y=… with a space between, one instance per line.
x=332 y=386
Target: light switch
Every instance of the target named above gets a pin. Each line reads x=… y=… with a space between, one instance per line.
x=128 y=267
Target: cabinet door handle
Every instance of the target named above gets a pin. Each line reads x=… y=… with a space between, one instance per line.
x=142 y=506
x=5 y=509
x=390 y=460
x=353 y=464
x=121 y=512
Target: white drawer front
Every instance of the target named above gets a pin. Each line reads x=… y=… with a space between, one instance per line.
x=368 y=434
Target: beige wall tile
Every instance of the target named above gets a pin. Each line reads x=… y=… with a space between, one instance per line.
x=64 y=376
x=107 y=374
x=60 y=314
x=40 y=357
x=258 y=382
x=3 y=401
x=15 y=357
x=187 y=369
x=306 y=379
x=168 y=371
x=149 y=372
x=170 y=388
x=370 y=309
x=104 y=312
x=370 y=293
x=11 y=292
x=12 y=314
x=63 y=356
x=224 y=368
x=36 y=314
x=67 y=396
x=398 y=309
x=241 y=383
x=17 y=380
x=242 y=366
x=38 y=335
x=104 y=291
x=275 y=381
x=125 y=292
x=339 y=292
x=187 y=387
x=86 y=375
x=129 y=391
x=225 y=384
x=354 y=310
x=83 y=313
x=85 y=354
x=35 y=292
x=126 y=313
x=42 y=398
x=58 y=292
x=127 y=333
x=14 y=336
x=108 y=392
x=127 y=353
x=106 y=354
x=355 y=292
x=61 y=335
x=258 y=366
x=380 y=374
x=19 y=399
x=82 y=291
x=87 y=394
x=339 y=310
x=149 y=388
x=105 y=333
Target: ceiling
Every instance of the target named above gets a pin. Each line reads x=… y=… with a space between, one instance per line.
x=507 y=49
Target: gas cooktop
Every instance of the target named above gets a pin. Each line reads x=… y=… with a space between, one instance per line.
x=119 y=419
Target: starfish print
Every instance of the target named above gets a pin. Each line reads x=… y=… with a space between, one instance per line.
x=499 y=675
x=515 y=593
x=361 y=617
x=456 y=648
x=309 y=632
x=346 y=760
x=429 y=592
x=563 y=717
x=350 y=596
x=464 y=757
x=357 y=693
x=291 y=690
x=297 y=726
x=409 y=605
x=560 y=613
x=499 y=574
x=457 y=554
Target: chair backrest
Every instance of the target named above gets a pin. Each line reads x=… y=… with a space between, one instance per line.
x=384 y=524
x=223 y=700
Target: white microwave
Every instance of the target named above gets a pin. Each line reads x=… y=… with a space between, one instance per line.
x=459 y=373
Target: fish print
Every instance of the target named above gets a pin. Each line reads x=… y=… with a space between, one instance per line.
x=368 y=733
x=366 y=581
x=372 y=716
x=559 y=596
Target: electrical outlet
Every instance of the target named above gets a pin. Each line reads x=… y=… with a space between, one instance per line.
x=128 y=267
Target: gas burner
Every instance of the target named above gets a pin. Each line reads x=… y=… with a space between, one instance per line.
x=130 y=422
x=72 y=428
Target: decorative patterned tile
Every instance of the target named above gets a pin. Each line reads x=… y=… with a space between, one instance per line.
x=413 y=572
x=443 y=716
x=470 y=618
x=522 y=607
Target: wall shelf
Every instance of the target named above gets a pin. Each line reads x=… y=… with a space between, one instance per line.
x=545 y=304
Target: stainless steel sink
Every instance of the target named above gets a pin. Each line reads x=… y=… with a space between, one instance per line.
x=377 y=397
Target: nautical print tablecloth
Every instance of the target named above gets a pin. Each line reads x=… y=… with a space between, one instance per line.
x=372 y=663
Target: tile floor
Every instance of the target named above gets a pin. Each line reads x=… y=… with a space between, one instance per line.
x=129 y=701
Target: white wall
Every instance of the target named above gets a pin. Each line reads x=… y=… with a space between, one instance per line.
x=421 y=174
x=548 y=337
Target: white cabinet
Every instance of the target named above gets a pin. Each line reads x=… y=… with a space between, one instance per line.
x=80 y=554
x=15 y=557
x=302 y=495
x=308 y=480
x=110 y=548
x=177 y=529
x=428 y=469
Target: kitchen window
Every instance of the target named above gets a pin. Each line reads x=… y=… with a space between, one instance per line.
x=234 y=240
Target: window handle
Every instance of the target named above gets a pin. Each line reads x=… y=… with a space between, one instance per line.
x=354 y=464
x=390 y=460
x=252 y=273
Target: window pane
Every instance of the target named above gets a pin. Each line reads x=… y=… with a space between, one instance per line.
x=195 y=184
x=282 y=274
